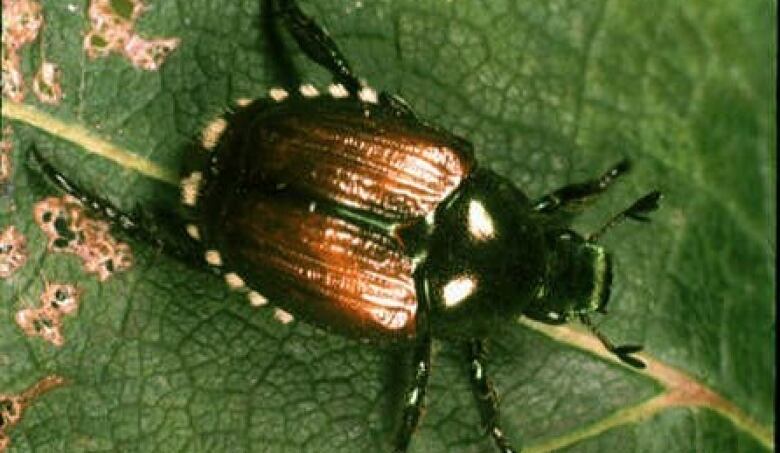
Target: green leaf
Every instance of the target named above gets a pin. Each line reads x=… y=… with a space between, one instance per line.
x=165 y=358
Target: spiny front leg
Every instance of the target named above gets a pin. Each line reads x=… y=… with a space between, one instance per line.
x=485 y=394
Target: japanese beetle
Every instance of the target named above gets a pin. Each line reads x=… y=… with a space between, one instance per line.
x=353 y=214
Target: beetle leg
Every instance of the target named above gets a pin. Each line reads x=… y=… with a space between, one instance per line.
x=315 y=42
x=138 y=224
x=414 y=398
x=397 y=105
x=279 y=60
x=104 y=208
x=485 y=394
x=574 y=196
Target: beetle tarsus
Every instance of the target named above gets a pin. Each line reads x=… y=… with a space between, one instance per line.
x=631 y=360
x=575 y=196
x=644 y=205
x=637 y=211
x=627 y=349
x=486 y=395
x=622 y=352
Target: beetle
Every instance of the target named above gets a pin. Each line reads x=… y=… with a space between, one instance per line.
x=352 y=213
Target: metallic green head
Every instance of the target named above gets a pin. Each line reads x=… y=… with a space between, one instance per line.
x=577 y=281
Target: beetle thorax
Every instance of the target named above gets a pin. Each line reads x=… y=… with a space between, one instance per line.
x=486 y=257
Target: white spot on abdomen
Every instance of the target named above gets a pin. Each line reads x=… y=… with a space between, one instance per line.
x=338 y=91
x=190 y=187
x=213 y=258
x=193 y=231
x=212 y=132
x=368 y=94
x=278 y=94
x=234 y=281
x=256 y=299
x=282 y=316
x=309 y=91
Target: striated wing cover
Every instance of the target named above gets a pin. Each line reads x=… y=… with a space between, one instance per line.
x=279 y=163
x=358 y=155
x=321 y=268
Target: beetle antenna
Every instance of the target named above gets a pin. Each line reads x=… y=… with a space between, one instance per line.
x=637 y=211
x=623 y=352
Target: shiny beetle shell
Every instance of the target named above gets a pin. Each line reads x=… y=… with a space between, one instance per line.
x=302 y=200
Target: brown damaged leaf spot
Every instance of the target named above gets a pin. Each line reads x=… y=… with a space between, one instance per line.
x=112 y=31
x=60 y=297
x=22 y=23
x=10 y=411
x=46 y=84
x=22 y=20
x=69 y=230
x=6 y=147
x=57 y=300
x=12 y=407
x=42 y=323
x=13 y=251
x=12 y=79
